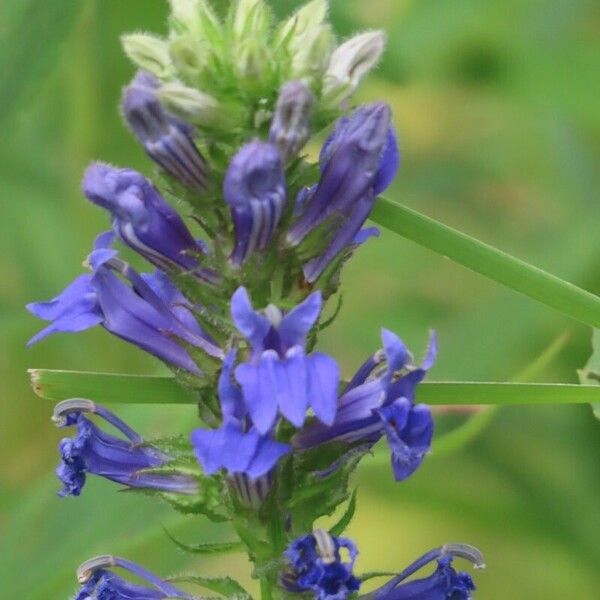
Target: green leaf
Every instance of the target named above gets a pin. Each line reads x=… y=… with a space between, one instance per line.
x=590 y=374
x=488 y=261
x=345 y=519
x=109 y=387
x=28 y=47
x=226 y=586
x=208 y=548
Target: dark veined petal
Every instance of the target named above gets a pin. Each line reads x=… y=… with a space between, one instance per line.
x=254 y=189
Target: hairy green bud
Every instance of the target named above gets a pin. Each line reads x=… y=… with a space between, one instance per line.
x=252 y=20
x=309 y=17
x=349 y=63
x=189 y=103
x=150 y=53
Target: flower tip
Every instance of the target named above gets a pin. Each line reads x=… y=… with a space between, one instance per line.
x=466 y=551
x=86 y=569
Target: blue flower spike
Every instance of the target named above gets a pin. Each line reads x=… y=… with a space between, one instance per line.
x=126 y=460
x=98 y=582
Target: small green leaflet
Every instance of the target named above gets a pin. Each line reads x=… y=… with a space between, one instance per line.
x=345 y=519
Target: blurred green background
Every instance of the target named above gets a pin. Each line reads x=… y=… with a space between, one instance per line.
x=497 y=107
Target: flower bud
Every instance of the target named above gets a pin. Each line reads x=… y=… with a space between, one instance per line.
x=252 y=19
x=254 y=63
x=189 y=103
x=141 y=217
x=190 y=56
x=311 y=53
x=349 y=63
x=290 y=126
x=166 y=139
x=308 y=40
x=309 y=17
x=185 y=15
x=254 y=188
x=148 y=52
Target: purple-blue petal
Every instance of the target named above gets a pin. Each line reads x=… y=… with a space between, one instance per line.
x=388 y=165
x=252 y=325
x=296 y=324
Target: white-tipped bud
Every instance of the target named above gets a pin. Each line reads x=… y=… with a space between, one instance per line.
x=196 y=17
x=307 y=18
x=348 y=65
x=149 y=53
x=252 y=19
x=189 y=103
x=311 y=54
x=253 y=62
x=190 y=56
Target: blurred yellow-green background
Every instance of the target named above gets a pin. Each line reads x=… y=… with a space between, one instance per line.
x=498 y=111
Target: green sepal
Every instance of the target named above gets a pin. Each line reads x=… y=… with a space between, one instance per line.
x=226 y=586
x=209 y=499
x=207 y=548
x=321 y=478
x=345 y=519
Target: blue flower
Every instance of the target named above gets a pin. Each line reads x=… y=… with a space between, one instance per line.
x=317 y=566
x=98 y=582
x=373 y=404
x=358 y=162
x=254 y=189
x=280 y=376
x=247 y=455
x=143 y=220
x=237 y=446
x=445 y=583
x=150 y=312
x=166 y=139
x=95 y=451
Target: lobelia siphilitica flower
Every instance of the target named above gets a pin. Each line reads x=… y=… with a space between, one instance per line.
x=245 y=236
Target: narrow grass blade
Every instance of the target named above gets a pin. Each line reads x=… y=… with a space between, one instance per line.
x=109 y=387
x=488 y=261
x=146 y=389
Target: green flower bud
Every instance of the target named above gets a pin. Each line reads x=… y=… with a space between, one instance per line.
x=253 y=65
x=307 y=18
x=349 y=63
x=311 y=54
x=252 y=20
x=307 y=40
x=185 y=14
x=149 y=53
x=189 y=103
x=190 y=56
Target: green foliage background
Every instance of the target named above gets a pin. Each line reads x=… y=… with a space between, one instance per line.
x=496 y=103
